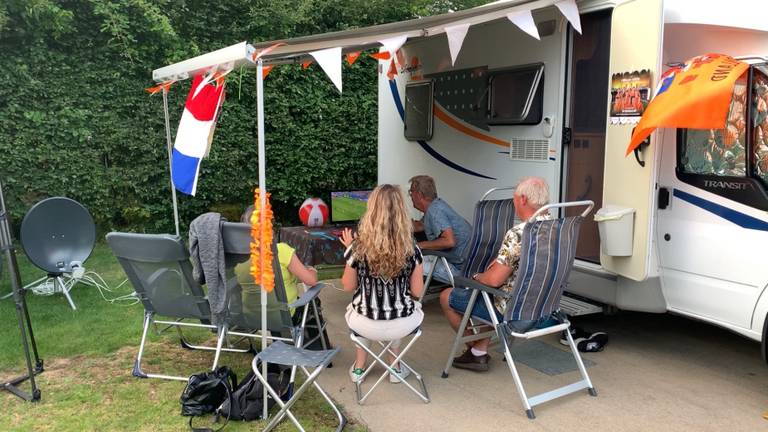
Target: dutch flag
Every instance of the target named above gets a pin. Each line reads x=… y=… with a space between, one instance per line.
x=195 y=132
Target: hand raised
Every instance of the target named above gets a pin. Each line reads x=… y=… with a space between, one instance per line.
x=346 y=237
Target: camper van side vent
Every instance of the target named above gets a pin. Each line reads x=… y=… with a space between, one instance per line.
x=529 y=149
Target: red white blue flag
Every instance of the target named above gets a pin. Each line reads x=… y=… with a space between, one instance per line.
x=195 y=133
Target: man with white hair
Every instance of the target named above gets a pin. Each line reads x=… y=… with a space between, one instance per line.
x=530 y=195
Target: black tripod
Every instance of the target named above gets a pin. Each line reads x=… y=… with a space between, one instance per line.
x=25 y=325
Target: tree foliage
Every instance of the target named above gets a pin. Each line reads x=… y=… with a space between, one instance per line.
x=76 y=122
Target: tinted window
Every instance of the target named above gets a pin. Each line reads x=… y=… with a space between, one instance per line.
x=517 y=95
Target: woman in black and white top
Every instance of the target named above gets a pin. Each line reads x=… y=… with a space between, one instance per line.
x=384 y=270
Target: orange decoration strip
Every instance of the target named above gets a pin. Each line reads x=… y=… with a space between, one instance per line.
x=261 y=246
x=258 y=54
x=381 y=55
x=452 y=122
x=156 y=89
x=352 y=57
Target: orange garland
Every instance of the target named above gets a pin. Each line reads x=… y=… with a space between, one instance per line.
x=261 y=246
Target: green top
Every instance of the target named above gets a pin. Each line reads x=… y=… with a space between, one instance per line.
x=284 y=255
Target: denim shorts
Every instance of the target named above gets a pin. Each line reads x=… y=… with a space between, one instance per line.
x=459 y=299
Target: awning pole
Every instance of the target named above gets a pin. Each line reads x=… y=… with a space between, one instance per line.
x=170 y=158
x=262 y=213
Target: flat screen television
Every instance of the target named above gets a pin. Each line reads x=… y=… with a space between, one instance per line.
x=348 y=206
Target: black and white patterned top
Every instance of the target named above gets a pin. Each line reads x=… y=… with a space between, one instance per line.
x=381 y=298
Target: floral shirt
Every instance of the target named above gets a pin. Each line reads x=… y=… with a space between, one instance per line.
x=509 y=255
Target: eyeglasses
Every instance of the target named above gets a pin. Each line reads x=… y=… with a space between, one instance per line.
x=410 y=192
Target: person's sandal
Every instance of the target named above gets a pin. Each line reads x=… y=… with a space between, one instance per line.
x=356 y=374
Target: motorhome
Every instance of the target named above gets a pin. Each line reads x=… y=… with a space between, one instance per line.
x=514 y=106
x=560 y=100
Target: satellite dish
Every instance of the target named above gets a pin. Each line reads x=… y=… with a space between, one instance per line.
x=57 y=232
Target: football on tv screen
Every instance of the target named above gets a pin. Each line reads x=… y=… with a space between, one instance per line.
x=348 y=206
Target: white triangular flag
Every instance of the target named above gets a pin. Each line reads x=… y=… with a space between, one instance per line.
x=571 y=12
x=330 y=60
x=524 y=20
x=393 y=44
x=456 y=36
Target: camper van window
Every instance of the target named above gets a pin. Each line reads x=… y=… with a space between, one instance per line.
x=719 y=152
x=517 y=95
x=759 y=118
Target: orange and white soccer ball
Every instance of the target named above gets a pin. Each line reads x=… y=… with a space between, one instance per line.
x=313 y=212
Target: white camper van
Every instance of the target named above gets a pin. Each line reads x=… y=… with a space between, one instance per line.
x=685 y=217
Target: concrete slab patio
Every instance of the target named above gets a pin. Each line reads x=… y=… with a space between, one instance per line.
x=658 y=372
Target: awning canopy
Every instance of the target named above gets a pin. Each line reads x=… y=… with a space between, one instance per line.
x=296 y=50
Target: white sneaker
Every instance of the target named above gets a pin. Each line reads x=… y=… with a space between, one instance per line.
x=404 y=372
x=356 y=374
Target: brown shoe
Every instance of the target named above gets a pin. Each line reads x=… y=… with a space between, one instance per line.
x=471 y=361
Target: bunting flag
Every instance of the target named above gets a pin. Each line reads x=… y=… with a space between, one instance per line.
x=306 y=64
x=391 y=45
x=571 y=12
x=696 y=96
x=383 y=55
x=265 y=70
x=330 y=61
x=524 y=21
x=392 y=72
x=352 y=57
x=156 y=89
x=195 y=132
x=456 y=35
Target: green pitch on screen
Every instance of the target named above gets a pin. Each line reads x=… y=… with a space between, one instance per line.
x=347 y=208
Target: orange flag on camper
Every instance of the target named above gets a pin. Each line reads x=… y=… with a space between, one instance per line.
x=156 y=89
x=306 y=64
x=696 y=95
x=352 y=57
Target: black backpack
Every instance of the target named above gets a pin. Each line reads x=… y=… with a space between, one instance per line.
x=206 y=391
x=247 y=403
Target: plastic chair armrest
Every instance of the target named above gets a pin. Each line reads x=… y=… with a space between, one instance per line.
x=307 y=297
x=461 y=281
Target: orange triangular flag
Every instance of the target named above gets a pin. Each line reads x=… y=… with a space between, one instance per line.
x=265 y=71
x=352 y=57
x=384 y=55
x=392 y=72
x=306 y=64
x=156 y=89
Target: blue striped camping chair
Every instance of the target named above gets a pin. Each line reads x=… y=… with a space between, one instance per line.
x=546 y=258
x=493 y=217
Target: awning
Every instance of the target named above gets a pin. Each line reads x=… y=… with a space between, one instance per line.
x=296 y=50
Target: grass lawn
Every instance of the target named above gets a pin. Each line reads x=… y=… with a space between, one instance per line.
x=347 y=209
x=88 y=354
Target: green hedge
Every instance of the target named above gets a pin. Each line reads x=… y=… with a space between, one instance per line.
x=75 y=120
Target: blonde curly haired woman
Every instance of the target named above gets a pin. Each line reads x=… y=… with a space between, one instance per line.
x=384 y=271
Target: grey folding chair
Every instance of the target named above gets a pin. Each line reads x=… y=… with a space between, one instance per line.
x=244 y=300
x=547 y=253
x=159 y=269
x=493 y=217
x=389 y=367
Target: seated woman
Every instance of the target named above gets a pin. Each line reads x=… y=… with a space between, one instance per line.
x=384 y=270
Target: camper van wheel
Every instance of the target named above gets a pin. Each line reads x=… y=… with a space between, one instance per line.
x=764 y=342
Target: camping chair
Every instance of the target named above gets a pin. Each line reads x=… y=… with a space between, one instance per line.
x=546 y=258
x=244 y=302
x=159 y=269
x=492 y=219
x=389 y=368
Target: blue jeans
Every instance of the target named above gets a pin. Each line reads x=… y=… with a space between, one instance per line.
x=459 y=300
